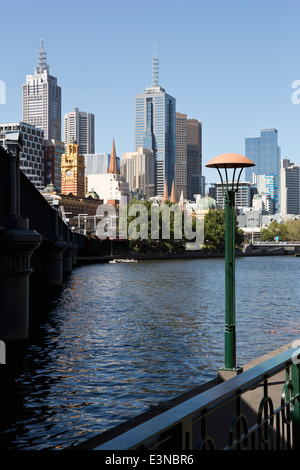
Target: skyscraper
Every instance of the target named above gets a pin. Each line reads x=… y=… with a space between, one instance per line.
x=155 y=129
x=290 y=187
x=265 y=153
x=194 y=158
x=41 y=100
x=189 y=180
x=181 y=186
x=80 y=126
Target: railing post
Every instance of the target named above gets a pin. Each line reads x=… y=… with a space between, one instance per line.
x=295 y=376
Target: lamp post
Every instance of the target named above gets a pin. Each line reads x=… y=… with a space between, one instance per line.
x=235 y=162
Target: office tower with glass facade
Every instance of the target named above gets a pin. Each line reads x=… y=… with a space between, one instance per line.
x=265 y=153
x=41 y=100
x=155 y=129
x=80 y=126
x=290 y=187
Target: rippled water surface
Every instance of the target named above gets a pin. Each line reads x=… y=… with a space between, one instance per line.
x=120 y=337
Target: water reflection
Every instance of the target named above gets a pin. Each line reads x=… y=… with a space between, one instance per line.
x=123 y=336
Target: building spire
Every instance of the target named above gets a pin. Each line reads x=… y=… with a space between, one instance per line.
x=173 y=197
x=166 y=193
x=42 y=59
x=155 y=67
x=113 y=165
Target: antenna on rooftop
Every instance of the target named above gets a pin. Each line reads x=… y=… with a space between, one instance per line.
x=155 y=71
x=42 y=58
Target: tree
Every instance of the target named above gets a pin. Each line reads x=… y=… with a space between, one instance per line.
x=275 y=229
x=293 y=227
x=214 y=231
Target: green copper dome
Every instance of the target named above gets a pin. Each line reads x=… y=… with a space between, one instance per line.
x=207 y=202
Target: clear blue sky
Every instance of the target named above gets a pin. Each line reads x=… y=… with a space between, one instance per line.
x=229 y=63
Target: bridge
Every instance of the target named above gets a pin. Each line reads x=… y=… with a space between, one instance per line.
x=34 y=243
x=273 y=248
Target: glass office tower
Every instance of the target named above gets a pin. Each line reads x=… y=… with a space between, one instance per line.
x=265 y=153
x=155 y=129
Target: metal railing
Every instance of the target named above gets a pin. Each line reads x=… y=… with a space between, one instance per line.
x=257 y=409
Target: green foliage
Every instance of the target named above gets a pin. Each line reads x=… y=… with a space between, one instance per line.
x=293 y=227
x=214 y=231
x=275 y=229
x=146 y=242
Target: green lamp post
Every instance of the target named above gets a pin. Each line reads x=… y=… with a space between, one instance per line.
x=230 y=161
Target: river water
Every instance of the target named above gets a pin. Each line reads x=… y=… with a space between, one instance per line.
x=120 y=337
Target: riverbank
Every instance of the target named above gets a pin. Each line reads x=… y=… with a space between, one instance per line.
x=184 y=255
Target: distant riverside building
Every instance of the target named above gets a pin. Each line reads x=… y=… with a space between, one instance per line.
x=80 y=126
x=73 y=171
x=98 y=163
x=53 y=150
x=41 y=100
x=264 y=203
x=267 y=185
x=32 y=156
x=110 y=187
x=155 y=129
x=138 y=169
x=243 y=198
x=265 y=153
x=290 y=187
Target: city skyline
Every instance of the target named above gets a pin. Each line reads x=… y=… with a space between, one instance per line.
x=232 y=71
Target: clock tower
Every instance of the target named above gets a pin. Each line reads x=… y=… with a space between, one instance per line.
x=73 y=171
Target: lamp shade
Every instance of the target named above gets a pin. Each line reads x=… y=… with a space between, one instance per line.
x=230 y=160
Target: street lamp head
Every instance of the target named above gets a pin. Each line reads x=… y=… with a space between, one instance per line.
x=230 y=161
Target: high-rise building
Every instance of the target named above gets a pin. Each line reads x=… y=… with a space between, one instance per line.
x=41 y=100
x=80 y=126
x=137 y=168
x=195 y=182
x=188 y=179
x=265 y=153
x=155 y=129
x=181 y=168
x=290 y=187
x=32 y=155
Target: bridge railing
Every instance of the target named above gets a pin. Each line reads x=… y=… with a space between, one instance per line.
x=224 y=418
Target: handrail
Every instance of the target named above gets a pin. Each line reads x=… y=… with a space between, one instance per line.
x=200 y=406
